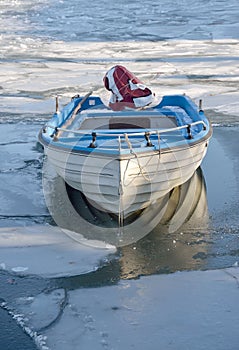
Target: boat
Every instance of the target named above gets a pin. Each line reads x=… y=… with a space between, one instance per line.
x=123 y=161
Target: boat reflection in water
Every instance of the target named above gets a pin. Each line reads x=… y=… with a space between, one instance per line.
x=181 y=240
x=169 y=235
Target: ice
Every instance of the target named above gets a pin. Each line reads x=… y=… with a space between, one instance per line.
x=3 y=266
x=43 y=310
x=20 y=164
x=19 y=269
x=20 y=319
x=226 y=185
x=205 y=69
x=49 y=252
x=167 y=311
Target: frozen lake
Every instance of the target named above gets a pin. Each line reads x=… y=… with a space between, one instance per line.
x=68 y=294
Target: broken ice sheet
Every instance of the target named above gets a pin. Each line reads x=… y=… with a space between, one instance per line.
x=41 y=311
x=47 y=251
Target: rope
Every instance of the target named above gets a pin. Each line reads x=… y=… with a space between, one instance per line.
x=141 y=168
x=121 y=213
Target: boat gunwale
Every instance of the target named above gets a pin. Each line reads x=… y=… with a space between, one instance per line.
x=49 y=138
x=116 y=133
x=125 y=153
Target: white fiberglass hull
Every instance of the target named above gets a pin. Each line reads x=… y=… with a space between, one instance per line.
x=123 y=186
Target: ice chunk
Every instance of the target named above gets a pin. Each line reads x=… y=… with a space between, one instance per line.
x=49 y=252
x=43 y=310
x=19 y=269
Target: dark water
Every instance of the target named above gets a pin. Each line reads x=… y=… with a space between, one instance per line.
x=102 y=21
x=11 y=287
x=12 y=336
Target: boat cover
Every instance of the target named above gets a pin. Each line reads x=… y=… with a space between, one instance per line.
x=127 y=90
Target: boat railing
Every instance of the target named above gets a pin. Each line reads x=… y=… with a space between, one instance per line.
x=120 y=134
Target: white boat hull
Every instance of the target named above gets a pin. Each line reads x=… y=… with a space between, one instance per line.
x=128 y=184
